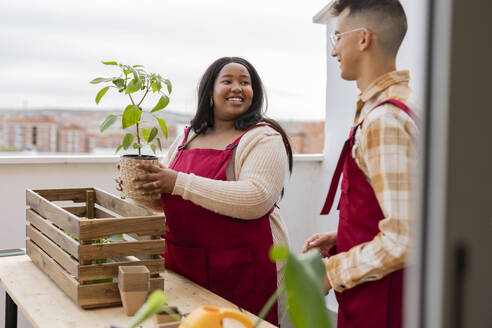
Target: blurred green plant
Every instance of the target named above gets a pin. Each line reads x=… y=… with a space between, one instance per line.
x=155 y=303
x=303 y=286
x=132 y=81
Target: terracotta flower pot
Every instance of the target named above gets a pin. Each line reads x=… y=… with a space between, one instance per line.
x=128 y=171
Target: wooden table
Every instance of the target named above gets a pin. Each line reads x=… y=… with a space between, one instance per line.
x=45 y=305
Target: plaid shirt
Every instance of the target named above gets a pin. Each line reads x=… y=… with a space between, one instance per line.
x=385 y=149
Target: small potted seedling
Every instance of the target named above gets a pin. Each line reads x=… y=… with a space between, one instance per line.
x=133 y=81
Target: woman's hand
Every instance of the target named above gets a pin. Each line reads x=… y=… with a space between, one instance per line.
x=158 y=180
x=323 y=241
x=119 y=183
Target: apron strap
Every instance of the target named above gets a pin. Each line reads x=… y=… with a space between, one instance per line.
x=185 y=139
x=347 y=146
x=336 y=177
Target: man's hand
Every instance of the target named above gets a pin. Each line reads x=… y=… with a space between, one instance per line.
x=322 y=241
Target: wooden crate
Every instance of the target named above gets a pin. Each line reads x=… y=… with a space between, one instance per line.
x=69 y=262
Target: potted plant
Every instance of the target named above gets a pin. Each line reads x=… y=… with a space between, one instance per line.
x=133 y=81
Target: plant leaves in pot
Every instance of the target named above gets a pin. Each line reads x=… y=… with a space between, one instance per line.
x=136 y=83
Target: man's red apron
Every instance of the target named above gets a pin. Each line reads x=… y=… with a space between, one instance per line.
x=374 y=303
x=225 y=255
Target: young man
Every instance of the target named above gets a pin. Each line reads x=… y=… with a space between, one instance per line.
x=367 y=253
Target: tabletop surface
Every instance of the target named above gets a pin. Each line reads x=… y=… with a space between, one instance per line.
x=45 y=305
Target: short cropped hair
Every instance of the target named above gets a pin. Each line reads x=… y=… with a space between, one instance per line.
x=388 y=16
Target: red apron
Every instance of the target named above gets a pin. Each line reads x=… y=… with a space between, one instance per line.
x=225 y=255
x=377 y=303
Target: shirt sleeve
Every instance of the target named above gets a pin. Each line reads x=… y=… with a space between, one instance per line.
x=260 y=178
x=388 y=150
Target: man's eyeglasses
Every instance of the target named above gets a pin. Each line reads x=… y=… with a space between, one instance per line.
x=335 y=38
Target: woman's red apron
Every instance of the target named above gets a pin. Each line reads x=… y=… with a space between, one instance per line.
x=374 y=303
x=225 y=255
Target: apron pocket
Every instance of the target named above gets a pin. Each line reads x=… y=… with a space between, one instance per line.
x=231 y=275
x=188 y=261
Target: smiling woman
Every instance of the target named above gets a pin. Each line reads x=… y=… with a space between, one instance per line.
x=219 y=188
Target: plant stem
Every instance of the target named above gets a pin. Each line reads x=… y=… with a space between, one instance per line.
x=268 y=306
x=138 y=140
x=146 y=91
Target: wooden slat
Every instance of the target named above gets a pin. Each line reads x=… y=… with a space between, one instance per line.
x=154 y=275
x=81 y=211
x=75 y=194
x=76 y=210
x=90 y=198
x=55 y=234
x=97 y=228
x=110 y=270
x=120 y=206
x=53 y=250
x=116 y=250
x=53 y=270
x=100 y=213
x=107 y=294
x=64 y=219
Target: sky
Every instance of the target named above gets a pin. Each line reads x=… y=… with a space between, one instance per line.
x=52 y=49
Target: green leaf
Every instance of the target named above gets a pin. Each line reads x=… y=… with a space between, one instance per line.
x=152 y=135
x=127 y=140
x=109 y=63
x=99 y=80
x=163 y=126
x=152 y=147
x=305 y=293
x=154 y=86
x=154 y=304
x=100 y=94
x=119 y=82
x=137 y=146
x=279 y=252
x=163 y=102
x=110 y=119
x=115 y=238
x=133 y=86
x=169 y=85
x=136 y=76
x=159 y=85
x=137 y=66
x=146 y=134
x=118 y=148
x=159 y=144
x=131 y=116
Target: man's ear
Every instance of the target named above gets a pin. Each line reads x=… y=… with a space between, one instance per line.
x=365 y=39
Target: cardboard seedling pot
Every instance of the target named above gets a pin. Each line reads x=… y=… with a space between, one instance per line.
x=134 y=285
x=165 y=320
